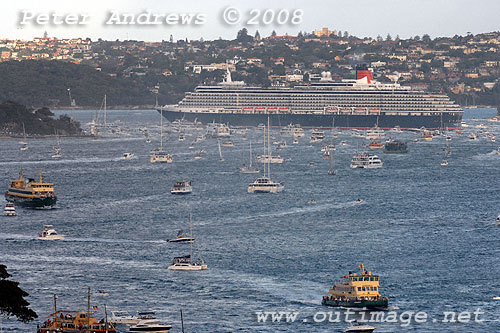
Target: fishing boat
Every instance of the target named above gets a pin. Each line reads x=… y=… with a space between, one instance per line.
x=366 y=161
x=182 y=187
x=228 y=144
x=149 y=325
x=265 y=184
x=160 y=156
x=198 y=155
x=75 y=322
x=9 y=209
x=357 y=291
x=295 y=141
x=49 y=233
x=30 y=193
x=250 y=168
x=187 y=263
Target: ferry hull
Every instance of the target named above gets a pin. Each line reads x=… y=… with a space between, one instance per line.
x=369 y=304
x=31 y=202
x=319 y=120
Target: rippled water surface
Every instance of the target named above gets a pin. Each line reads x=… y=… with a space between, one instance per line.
x=428 y=230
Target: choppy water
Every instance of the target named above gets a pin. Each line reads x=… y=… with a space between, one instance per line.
x=429 y=231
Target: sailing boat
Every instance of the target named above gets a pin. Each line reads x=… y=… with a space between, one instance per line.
x=23 y=142
x=220 y=151
x=186 y=263
x=159 y=156
x=265 y=184
x=331 y=171
x=249 y=169
x=57 y=148
x=183 y=239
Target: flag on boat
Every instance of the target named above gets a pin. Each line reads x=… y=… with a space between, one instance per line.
x=95 y=307
x=361 y=266
x=179 y=234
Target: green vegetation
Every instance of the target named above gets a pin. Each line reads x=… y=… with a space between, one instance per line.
x=45 y=83
x=12 y=302
x=39 y=122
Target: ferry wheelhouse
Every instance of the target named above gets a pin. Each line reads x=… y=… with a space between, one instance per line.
x=322 y=103
x=29 y=193
x=358 y=291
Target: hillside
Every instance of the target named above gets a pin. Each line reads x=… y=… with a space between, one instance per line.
x=40 y=122
x=45 y=83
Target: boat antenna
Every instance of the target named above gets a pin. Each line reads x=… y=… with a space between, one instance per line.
x=41 y=179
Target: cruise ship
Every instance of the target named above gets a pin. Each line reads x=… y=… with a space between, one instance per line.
x=323 y=103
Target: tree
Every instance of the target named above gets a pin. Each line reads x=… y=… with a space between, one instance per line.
x=426 y=38
x=379 y=38
x=171 y=38
x=273 y=34
x=243 y=36
x=346 y=34
x=416 y=38
x=257 y=35
x=388 y=38
x=397 y=39
x=300 y=34
x=12 y=302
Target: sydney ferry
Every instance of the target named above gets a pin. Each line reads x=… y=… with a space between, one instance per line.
x=31 y=194
x=357 y=291
x=322 y=103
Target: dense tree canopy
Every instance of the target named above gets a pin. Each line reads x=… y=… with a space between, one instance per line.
x=12 y=302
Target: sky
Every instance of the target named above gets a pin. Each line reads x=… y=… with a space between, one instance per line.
x=362 y=18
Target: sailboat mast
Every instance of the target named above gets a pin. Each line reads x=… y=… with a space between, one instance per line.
x=250 y=154
x=161 y=128
x=269 y=148
x=265 y=150
x=104 y=110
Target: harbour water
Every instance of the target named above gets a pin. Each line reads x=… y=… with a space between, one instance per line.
x=428 y=231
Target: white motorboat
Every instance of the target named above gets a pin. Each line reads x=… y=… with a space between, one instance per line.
x=357 y=327
x=181 y=238
x=127 y=156
x=366 y=161
x=444 y=163
x=123 y=318
x=10 y=209
x=182 y=187
x=149 y=325
x=498 y=219
x=49 y=233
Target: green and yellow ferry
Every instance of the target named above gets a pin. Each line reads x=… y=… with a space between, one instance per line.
x=357 y=291
x=29 y=193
